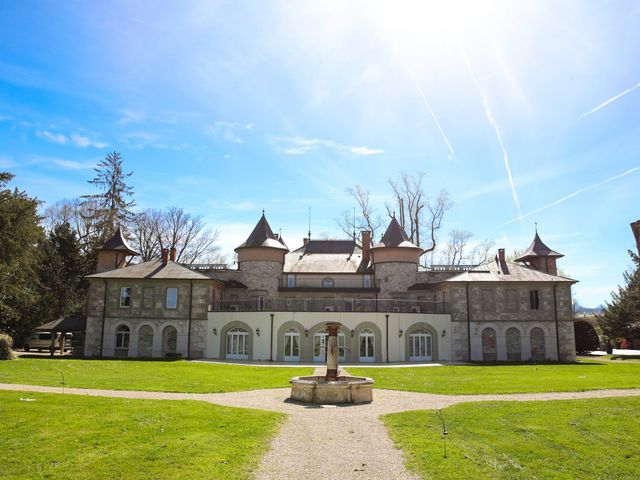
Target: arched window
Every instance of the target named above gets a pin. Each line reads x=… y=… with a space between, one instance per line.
x=291 y=345
x=328 y=283
x=367 y=345
x=419 y=346
x=122 y=341
x=237 y=344
x=320 y=340
x=537 y=345
x=169 y=340
x=489 y=347
x=145 y=342
x=514 y=345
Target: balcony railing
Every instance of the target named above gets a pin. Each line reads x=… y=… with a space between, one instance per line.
x=450 y=268
x=207 y=266
x=258 y=304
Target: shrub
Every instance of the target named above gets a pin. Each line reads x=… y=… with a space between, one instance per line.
x=6 y=342
x=586 y=337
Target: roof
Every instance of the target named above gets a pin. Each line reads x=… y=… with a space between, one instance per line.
x=230 y=283
x=508 y=272
x=325 y=256
x=262 y=236
x=538 y=249
x=395 y=236
x=153 y=269
x=65 y=324
x=118 y=242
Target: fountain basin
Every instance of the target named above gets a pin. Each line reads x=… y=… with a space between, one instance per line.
x=344 y=390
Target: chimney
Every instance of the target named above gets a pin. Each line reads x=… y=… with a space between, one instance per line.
x=165 y=256
x=501 y=256
x=635 y=228
x=305 y=241
x=366 y=245
x=172 y=254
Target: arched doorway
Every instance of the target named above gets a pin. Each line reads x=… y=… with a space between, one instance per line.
x=122 y=341
x=292 y=345
x=514 y=345
x=536 y=337
x=169 y=340
x=489 y=347
x=367 y=345
x=420 y=346
x=237 y=344
x=145 y=342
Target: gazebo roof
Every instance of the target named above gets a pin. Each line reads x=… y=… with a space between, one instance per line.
x=538 y=249
x=119 y=243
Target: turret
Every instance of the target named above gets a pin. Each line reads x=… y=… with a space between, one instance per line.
x=261 y=258
x=114 y=253
x=395 y=260
x=540 y=257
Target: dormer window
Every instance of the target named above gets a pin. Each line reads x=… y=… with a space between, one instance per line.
x=328 y=283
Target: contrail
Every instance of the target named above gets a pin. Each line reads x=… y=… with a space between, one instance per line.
x=607 y=102
x=571 y=195
x=435 y=119
x=496 y=128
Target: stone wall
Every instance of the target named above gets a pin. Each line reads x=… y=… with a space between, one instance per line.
x=394 y=277
x=261 y=275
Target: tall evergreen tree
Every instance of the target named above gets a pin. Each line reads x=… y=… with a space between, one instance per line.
x=20 y=233
x=112 y=206
x=621 y=316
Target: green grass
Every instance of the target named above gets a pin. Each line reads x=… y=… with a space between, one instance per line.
x=68 y=436
x=458 y=380
x=176 y=376
x=596 y=438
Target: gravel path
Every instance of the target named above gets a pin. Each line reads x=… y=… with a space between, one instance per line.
x=346 y=442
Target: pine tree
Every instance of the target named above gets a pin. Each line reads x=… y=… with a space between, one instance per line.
x=112 y=206
x=20 y=233
x=621 y=316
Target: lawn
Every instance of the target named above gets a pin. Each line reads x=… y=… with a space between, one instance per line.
x=595 y=438
x=67 y=436
x=459 y=379
x=166 y=376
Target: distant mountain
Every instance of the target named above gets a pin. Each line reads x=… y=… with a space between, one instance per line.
x=580 y=310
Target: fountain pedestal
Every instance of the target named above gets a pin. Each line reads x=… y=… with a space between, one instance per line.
x=332 y=389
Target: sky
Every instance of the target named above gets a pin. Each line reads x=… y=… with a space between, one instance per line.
x=523 y=112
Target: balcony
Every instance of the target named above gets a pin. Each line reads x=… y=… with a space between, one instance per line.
x=345 y=305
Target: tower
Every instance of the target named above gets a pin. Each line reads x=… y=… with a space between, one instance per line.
x=540 y=257
x=113 y=254
x=395 y=260
x=261 y=259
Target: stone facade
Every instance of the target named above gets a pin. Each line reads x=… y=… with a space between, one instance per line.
x=395 y=278
x=261 y=276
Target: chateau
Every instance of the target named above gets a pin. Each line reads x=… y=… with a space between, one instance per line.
x=274 y=305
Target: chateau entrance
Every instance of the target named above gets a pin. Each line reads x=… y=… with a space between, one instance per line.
x=320 y=346
x=420 y=346
x=237 y=344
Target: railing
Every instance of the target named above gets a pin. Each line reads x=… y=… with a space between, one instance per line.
x=207 y=266
x=450 y=268
x=257 y=304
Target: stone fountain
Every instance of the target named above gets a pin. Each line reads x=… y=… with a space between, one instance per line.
x=332 y=389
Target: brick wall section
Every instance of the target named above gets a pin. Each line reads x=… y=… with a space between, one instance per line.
x=394 y=277
x=261 y=275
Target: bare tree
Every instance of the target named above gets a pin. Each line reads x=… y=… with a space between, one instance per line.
x=364 y=218
x=460 y=251
x=77 y=214
x=175 y=228
x=416 y=211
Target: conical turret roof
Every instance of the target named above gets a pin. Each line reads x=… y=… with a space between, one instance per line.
x=395 y=236
x=538 y=249
x=262 y=236
x=119 y=243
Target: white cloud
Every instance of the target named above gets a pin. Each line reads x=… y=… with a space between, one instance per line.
x=302 y=146
x=228 y=131
x=130 y=116
x=58 y=138
x=62 y=163
x=80 y=141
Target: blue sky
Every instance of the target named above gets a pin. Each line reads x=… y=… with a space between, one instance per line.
x=523 y=111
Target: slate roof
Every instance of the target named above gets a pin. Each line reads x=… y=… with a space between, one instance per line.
x=118 y=242
x=153 y=269
x=325 y=256
x=509 y=272
x=395 y=237
x=262 y=236
x=65 y=324
x=538 y=249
